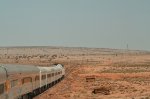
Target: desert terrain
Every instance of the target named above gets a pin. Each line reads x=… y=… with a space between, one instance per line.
x=91 y=73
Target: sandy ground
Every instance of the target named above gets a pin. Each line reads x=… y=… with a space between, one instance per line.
x=90 y=73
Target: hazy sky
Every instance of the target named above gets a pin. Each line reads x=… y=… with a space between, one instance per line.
x=82 y=23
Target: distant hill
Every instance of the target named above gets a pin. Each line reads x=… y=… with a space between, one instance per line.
x=32 y=50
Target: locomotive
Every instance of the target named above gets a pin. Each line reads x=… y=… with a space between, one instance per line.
x=27 y=81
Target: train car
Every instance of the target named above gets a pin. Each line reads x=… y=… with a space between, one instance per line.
x=50 y=75
x=25 y=81
x=43 y=78
x=62 y=70
x=19 y=80
x=49 y=72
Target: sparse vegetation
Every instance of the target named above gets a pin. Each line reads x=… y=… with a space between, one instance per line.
x=117 y=73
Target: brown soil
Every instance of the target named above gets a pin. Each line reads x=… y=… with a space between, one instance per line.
x=90 y=73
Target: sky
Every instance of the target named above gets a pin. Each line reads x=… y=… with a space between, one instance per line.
x=76 y=23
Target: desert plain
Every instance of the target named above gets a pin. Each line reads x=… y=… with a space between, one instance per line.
x=91 y=73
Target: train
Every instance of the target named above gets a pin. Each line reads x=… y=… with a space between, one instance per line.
x=27 y=81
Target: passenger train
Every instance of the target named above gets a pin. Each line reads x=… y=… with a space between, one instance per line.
x=25 y=81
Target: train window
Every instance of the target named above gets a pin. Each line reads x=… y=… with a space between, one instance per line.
x=37 y=78
x=14 y=83
x=26 y=80
x=49 y=75
x=1 y=88
x=43 y=76
x=55 y=73
x=52 y=74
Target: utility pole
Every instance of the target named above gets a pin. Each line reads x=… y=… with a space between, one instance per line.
x=127 y=47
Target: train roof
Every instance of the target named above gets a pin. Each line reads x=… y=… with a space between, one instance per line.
x=42 y=69
x=13 y=69
x=60 y=65
x=52 y=68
